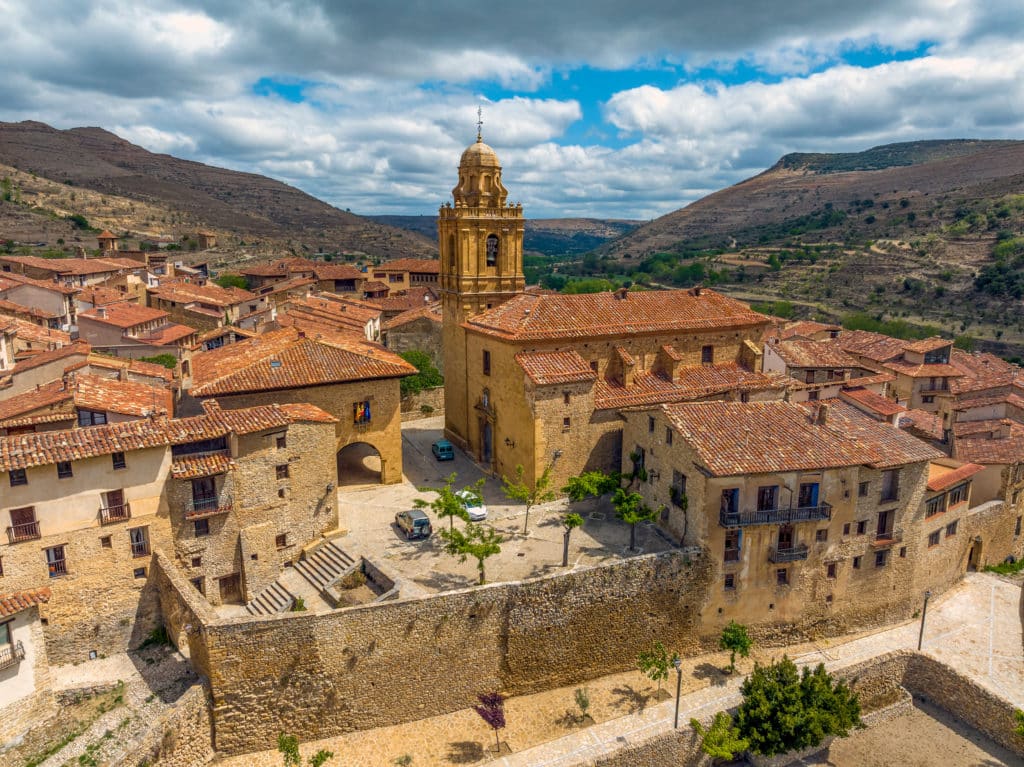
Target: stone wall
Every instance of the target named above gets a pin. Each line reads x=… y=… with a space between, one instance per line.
x=28 y=694
x=182 y=737
x=392 y=662
x=412 y=406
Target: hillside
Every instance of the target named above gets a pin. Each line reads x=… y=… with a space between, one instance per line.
x=547 y=236
x=175 y=197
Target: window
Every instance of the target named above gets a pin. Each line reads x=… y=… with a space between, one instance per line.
x=139 y=539
x=707 y=355
x=678 y=490
x=17 y=477
x=903 y=552
x=91 y=417
x=492 y=250
x=958 y=494
x=281 y=540
x=933 y=538
x=593 y=365
x=951 y=529
x=197 y=561
x=856 y=563
x=64 y=469
x=668 y=436
x=731 y=500
x=830 y=570
x=1 y=566
x=106 y=542
x=821 y=535
x=862 y=489
x=881 y=557
x=202 y=527
x=730 y=582
x=767 y=495
x=808 y=495
x=281 y=441
x=565 y=398
x=24 y=525
x=198 y=583
x=732 y=545
x=487 y=363
x=650 y=424
x=139 y=572
x=566 y=423
x=1016 y=529
x=934 y=506
x=361 y=412
x=812 y=396
x=118 y=460
x=782 y=576
x=890 y=485
x=928 y=399
x=55 y=561
x=862 y=527
x=281 y=471
x=846 y=529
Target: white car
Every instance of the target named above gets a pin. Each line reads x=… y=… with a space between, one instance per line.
x=474 y=505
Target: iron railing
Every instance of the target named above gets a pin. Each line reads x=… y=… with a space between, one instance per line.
x=199 y=508
x=58 y=567
x=116 y=513
x=29 y=531
x=775 y=516
x=140 y=549
x=11 y=655
x=888 y=537
x=791 y=554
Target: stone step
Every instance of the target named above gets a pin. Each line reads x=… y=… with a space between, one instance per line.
x=274 y=599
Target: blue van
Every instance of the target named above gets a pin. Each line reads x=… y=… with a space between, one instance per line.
x=443 y=450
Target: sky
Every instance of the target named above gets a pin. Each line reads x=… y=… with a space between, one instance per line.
x=604 y=109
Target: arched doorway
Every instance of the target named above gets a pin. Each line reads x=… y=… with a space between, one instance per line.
x=359 y=464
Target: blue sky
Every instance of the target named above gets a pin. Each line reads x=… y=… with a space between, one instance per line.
x=622 y=111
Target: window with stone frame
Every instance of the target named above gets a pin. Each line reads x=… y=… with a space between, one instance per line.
x=958 y=494
x=933 y=538
x=732 y=544
x=935 y=505
x=730 y=582
x=782 y=576
x=678 y=489
x=830 y=570
x=951 y=528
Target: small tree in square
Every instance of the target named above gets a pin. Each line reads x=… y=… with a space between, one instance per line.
x=570 y=522
x=736 y=640
x=655 y=663
x=631 y=509
x=530 y=494
x=477 y=541
x=492 y=711
x=448 y=503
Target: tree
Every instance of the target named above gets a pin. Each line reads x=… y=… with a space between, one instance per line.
x=655 y=663
x=539 y=492
x=477 y=541
x=448 y=503
x=428 y=377
x=1019 y=716
x=736 y=640
x=783 y=710
x=631 y=509
x=590 y=484
x=169 y=361
x=229 y=280
x=570 y=522
x=722 y=739
x=492 y=711
x=288 y=745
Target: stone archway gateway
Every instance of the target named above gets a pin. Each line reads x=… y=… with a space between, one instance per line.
x=359 y=464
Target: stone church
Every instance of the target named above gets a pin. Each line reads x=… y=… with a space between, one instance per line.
x=540 y=379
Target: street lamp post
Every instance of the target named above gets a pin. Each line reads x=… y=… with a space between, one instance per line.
x=678 y=663
x=924 y=612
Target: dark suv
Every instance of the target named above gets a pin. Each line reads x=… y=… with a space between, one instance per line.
x=414 y=523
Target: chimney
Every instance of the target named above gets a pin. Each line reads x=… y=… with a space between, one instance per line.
x=821 y=415
x=1005 y=426
x=697 y=289
x=622 y=294
x=101 y=312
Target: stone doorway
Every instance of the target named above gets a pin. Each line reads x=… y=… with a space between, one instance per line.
x=359 y=464
x=974 y=560
x=487 y=444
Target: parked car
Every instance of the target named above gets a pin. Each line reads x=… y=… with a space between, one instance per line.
x=443 y=450
x=414 y=523
x=474 y=505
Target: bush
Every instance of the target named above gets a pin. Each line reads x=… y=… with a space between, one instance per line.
x=229 y=280
x=428 y=377
x=169 y=361
x=785 y=710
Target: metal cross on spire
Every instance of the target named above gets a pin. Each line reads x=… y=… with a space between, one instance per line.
x=479 y=123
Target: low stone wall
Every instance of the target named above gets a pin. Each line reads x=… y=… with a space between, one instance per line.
x=412 y=406
x=185 y=611
x=182 y=737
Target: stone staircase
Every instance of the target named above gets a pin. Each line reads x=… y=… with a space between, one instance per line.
x=308 y=578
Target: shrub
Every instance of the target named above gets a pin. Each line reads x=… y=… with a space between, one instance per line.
x=229 y=280
x=428 y=377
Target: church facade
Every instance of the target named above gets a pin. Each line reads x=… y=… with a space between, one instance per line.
x=538 y=379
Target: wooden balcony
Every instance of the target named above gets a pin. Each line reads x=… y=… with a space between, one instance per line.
x=29 y=531
x=775 y=516
x=112 y=514
x=201 y=508
x=792 y=554
x=11 y=655
x=887 y=538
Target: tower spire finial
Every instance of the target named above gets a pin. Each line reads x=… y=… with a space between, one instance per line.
x=479 y=122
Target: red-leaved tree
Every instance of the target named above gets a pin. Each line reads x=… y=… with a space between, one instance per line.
x=492 y=711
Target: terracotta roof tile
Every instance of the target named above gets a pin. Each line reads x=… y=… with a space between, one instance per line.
x=932 y=370
x=799 y=353
x=873 y=346
x=432 y=312
x=318 y=313
x=303 y=411
x=534 y=317
x=91 y=392
x=987 y=448
x=193 y=466
x=374 y=286
x=410 y=298
x=556 y=367
x=186 y=293
x=29 y=331
x=289 y=359
x=412 y=265
x=926 y=345
x=920 y=422
x=806 y=329
x=1009 y=398
x=166 y=335
x=691 y=384
x=870 y=401
x=887 y=446
x=124 y=315
x=12 y=604
x=15 y=309
x=15 y=278
x=146 y=369
x=79 y=348
x=98 y=295
x=983 y=371
x=940 y=477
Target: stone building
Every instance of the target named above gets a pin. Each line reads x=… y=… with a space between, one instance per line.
x=209 y=306
x=352 y=379
x=419 y=329
x=131 y=330
x=26 y=696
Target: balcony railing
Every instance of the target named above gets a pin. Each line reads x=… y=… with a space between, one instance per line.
x=792 y=554
x=200 y=508
x=11 y=655
x=58 y=567
x=140 y=549
x=775 y=516
x=118 y=513
x=29 y=531
x=888 y=538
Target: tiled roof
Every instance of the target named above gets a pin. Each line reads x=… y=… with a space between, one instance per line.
x=20 y=310
x=940 y=477
x=414 y=265
x=733 y=438
x=12 y=604
x=878 y=378
x=76 y=266
x=987 y=426
x=124 y=315
x=98 y=295
x=29 y=331
x=289 y=359
x=535 y=317
x=410 y=298
x=91 y=392
x=79 y=348
x=107 y=235
x=338 y=272
x=165 y=335
x=926 y=345
x=691 y=384
x=806 y=328
x=8 y=279
x=374 y=286
x=869 y=400
x=886 y=445
x=873 y=346
x=146 y=369
x=279 y=268
x=303 y=411
x=319 y=314
x=558 y=367
x=46 y=396
x=185 y=293
x=799 y=353
x=432 y=312
x=914 y=370
x=920 y=422
x=193 y=466
x=1008 y=398
x=982 y=371
x=285 y=285
x=988 y=449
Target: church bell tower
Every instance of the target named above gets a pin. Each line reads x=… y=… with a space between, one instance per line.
x=480 y=239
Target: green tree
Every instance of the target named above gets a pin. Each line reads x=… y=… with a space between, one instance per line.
x=447 y=503
x=476 y=541
x=655 y=663
x=229 y=280
x=722 y=739
x=736 y=640
x=169 y=361
x=631 y=509
x=590 y=484
x=288 y=745
x=531 y=494
x=428 y=377
x=1018 y=715
x=569 y=522
x=784 y=710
